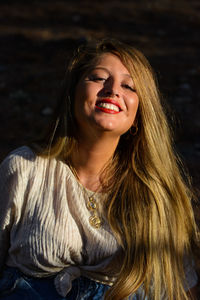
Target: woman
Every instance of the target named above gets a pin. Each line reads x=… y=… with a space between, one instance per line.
x=101 y=203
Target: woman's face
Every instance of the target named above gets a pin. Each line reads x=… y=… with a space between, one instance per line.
x=105 y=98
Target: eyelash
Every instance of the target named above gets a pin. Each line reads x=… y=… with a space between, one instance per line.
x=97 y=79
x=104 y=79
x=129 y=87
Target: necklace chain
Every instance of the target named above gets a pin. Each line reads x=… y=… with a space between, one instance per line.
x=91 y=204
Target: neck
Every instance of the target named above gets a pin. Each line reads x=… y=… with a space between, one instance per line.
x=90 y=158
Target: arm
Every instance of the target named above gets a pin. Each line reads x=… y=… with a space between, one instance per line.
x=13 y=176
x=7 y=186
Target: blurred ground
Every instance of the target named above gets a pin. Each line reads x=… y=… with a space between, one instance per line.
x=36 y=39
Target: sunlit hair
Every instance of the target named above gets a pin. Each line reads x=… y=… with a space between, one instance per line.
x=149 y=204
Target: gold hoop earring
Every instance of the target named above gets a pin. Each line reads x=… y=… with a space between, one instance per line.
x=133 y=130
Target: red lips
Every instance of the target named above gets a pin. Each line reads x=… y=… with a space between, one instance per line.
x=107 y=110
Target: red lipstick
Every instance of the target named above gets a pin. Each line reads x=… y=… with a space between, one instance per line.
x=107 y=110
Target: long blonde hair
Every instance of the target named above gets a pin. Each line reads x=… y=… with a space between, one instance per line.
x=149 y=203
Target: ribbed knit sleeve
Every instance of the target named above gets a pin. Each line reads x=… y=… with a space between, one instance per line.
x=13 y=179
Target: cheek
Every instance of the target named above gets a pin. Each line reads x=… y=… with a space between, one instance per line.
x=79 y=93
x=84 y=94
x=83 y=102
x=79 y=98
x=133 y=106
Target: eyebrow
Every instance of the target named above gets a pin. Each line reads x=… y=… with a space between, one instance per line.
x=128 y=75
x=101 y=68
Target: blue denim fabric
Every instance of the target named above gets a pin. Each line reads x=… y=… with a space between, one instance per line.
x=16 y=286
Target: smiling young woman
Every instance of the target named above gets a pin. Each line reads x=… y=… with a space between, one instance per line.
x=105 y=98
x=99 y=208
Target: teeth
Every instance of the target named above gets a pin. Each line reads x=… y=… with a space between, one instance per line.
x=109 y=106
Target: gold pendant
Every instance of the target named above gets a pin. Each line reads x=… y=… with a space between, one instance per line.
x=95 y=221
x=91 y=205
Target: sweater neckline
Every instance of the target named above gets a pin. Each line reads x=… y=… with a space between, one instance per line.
x=89 y=192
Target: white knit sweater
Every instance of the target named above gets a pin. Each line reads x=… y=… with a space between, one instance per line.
x=44 y=224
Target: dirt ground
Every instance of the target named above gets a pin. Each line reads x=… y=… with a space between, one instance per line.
x=37 y=37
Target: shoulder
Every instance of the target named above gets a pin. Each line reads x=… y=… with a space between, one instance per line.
x=25 y=162
x=23 y=152
x=15 y=171
x=19 y=158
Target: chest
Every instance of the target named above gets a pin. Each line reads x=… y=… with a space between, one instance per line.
x=55 y=221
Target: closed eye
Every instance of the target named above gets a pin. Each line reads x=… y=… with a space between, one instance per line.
x=96 y=78
x=99 y=79
x=129 y=87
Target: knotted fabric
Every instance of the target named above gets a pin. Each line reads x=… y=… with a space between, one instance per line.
x=63 y=281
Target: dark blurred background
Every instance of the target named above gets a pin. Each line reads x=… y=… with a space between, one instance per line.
x=36 y=40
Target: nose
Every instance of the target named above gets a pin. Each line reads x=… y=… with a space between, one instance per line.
x=112 y=88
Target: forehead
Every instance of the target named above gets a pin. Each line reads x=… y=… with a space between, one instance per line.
x=108 y=62
x=111 y=61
